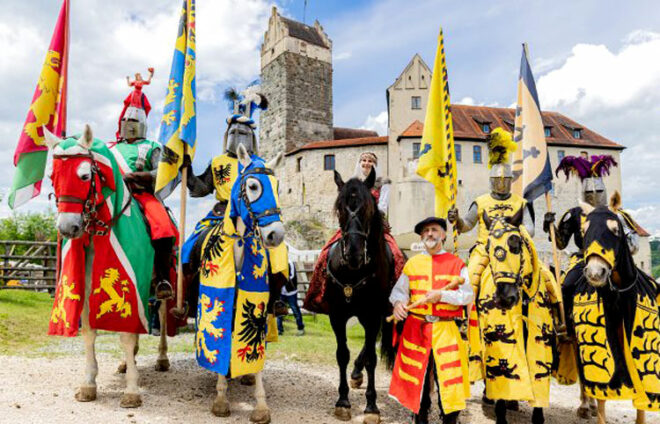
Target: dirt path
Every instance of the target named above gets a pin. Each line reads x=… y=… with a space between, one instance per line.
x=39 y=390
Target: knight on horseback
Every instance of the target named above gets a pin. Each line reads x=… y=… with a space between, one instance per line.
x=138 y=160
x=500 y=202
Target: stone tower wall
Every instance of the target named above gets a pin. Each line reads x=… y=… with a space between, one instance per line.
x=299 y=90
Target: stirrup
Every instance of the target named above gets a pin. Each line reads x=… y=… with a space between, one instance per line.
x=164 y=290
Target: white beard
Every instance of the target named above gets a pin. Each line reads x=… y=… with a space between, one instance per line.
x=430 y=243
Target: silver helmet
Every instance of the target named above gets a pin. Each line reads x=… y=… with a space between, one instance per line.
x=133 y=124
x=240 y=133
x=594 y=192
x=501 y=177
x=240 y=124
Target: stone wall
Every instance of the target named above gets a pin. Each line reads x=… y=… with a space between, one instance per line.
x=309 y=192
x=299 y=90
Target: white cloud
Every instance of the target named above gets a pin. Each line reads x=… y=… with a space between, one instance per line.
x=376 y=123
x=617 y=93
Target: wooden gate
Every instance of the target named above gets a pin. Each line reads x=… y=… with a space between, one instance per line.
x=28 y=265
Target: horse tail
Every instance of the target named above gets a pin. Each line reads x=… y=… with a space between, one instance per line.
x=387 y=348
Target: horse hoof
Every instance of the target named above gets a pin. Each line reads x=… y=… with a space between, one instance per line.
x=86 y=394
x=356 y=382
x=512 y=405
x=342 y=413
x=130 y=400
x=584 y=413
x=537 y=416
x=163 y=365
x=121 y=369
x=220 y=408
x=371 y=419
x=248 y=380
x=593 y=409
x=260 y=416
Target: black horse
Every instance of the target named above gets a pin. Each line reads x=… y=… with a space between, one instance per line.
x=359 y=273
x=629 y=306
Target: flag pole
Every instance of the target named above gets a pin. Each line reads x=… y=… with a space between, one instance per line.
x=182 y=231
x=555 y=258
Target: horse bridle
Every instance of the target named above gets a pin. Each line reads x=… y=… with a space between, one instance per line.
x=353 y=216
x=92 y=225
x=348 y=289
x=248 y=205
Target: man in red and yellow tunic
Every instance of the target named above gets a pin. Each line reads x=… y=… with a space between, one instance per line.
x=429 y=296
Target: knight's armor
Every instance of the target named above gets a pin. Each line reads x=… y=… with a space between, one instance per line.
x=138 y=160
x=499 y=203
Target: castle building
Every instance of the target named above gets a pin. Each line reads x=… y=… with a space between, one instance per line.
x=296 y=74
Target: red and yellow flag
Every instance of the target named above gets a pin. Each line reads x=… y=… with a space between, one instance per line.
x=48 y=109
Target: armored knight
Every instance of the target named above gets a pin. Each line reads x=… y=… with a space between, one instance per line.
x=221 y=173
x=500 y=202
x=138 y=160
x=591 y=173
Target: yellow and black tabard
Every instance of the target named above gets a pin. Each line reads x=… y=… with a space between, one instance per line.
x=430 y=331
x=225 y=172
x=512 y=208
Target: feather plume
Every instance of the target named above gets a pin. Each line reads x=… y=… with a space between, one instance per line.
x=253 y=95
x=601 y=164
x=232 y=96
x=500 y=145
x=574 y=165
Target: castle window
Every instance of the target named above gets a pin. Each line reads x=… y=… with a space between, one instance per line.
x=547 y=131
x=458 y=152
x=577 y=133
x=298 y=164
x=416 y=147
x=329 y=162
x=485 y=127
x=561 y=154
x=476 y=154
x=416 y=102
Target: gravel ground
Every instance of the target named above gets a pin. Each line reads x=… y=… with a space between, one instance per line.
x=40 y=390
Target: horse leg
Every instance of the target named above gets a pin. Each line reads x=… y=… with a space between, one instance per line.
x=343 y=406
x=261 y=413
x=601 y=411
x=500 y=412
x=162 y=363
x=584 y=410
x=641 y=417
x=131 y=397
x=220 y=407
x=537 y=416
x=87 y=390
x=371 y=329
x=356 y=376
x=121 y=369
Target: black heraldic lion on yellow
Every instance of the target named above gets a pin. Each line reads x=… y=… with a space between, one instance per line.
x=254 y=329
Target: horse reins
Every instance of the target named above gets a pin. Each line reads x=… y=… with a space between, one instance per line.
x=347 y=289
x=92 y=225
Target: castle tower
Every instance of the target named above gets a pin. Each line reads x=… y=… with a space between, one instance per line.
x=296 y=76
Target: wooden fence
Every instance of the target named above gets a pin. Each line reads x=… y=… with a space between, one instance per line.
x=28 y=265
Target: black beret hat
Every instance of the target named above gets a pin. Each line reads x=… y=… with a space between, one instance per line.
x=430 y=220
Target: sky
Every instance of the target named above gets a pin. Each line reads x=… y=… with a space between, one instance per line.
x=597 y=62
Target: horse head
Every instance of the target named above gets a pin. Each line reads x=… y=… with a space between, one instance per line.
x=605 y=244
x=254 y=197
x=355 y=208
x=78 y=181
x=512 y=261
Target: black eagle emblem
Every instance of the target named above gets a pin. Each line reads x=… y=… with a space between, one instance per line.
x=253 y=332
x=213 y=249
x=223 y=174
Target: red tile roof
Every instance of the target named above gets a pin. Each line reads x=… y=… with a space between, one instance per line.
x=467 y=122
x=344 y=133
x=336 y=144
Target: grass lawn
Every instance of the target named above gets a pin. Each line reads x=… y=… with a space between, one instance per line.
x=24 y=319
x=317 y=345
